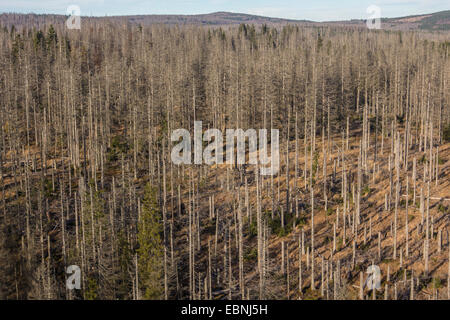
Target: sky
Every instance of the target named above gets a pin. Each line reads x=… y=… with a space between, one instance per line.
x=316 y=10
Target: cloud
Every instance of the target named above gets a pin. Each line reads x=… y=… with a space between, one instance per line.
x=47 y=6
x=275 y=12
x=412 y=3
x=216 y=2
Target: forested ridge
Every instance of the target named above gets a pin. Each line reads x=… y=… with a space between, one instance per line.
x=86 y=176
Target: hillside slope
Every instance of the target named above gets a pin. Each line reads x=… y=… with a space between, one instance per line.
x=438 y=21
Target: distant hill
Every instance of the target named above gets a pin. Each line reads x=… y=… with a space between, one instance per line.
x=216 y=18
x=433 y=21
x=210 y=19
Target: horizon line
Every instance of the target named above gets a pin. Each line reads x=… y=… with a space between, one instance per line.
x=215 y=12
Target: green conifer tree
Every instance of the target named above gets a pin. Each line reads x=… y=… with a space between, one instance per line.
x=150 y=251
